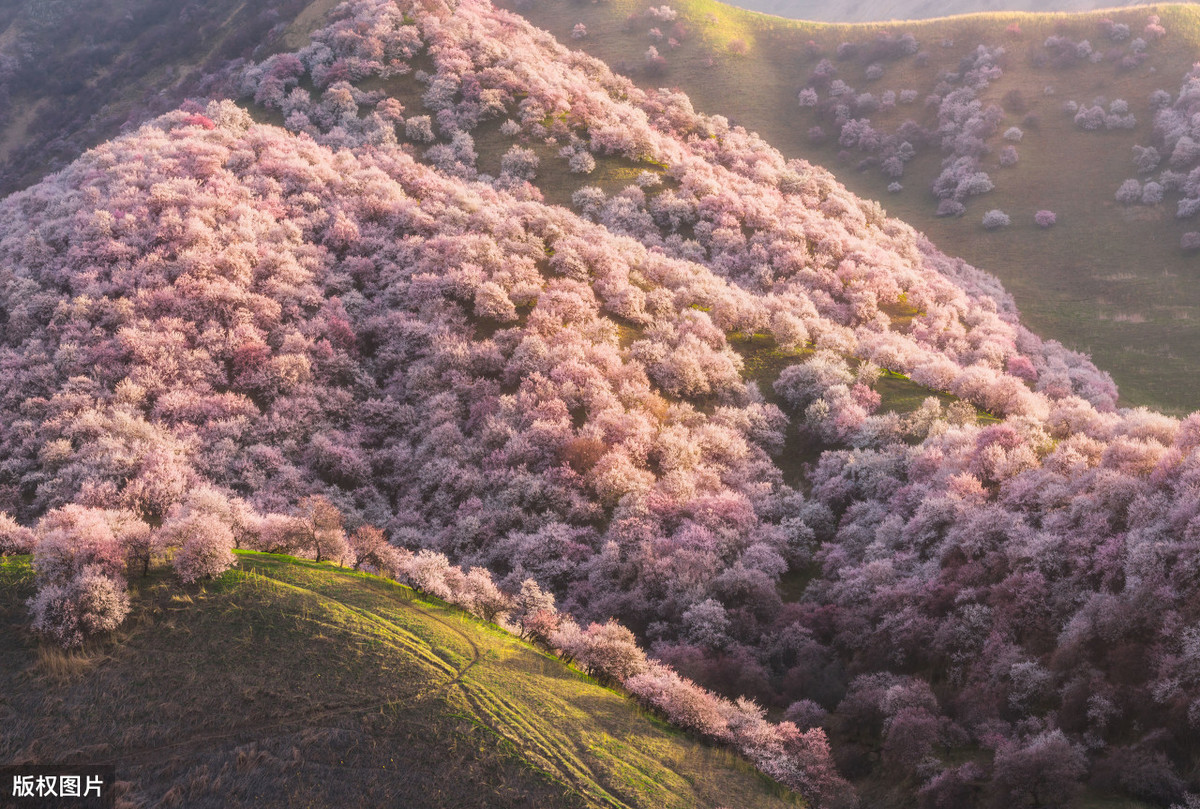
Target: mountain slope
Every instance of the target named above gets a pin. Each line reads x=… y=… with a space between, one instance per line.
x=291 y=683
x=474 y=289
x=1109 y=278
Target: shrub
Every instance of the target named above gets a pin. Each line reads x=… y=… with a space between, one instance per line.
x=579 y=31
x=663 y=13
x=1160 y=100
x=1008 y=156
x=1013 y=133
x=895 y=187
x=1045 y=219
x=481 y=596
x=996 y=218
x=805 y=714
x=1129 y=192
x=1188 y=207
x=1190 y=241
x=609 y=650
x=951 y=207
x=88 y=604
x=1090 y=119
x=1043 y=771
x=72 y=538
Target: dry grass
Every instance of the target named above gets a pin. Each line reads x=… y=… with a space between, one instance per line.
x=59 y=664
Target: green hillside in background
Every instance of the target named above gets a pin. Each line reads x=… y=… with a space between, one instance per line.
x=292 y=683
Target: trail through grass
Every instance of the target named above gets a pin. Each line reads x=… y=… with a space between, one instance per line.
x=292 y=683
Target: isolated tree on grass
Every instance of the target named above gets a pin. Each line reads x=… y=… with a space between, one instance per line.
x=483 y=597
x=206 y=554
x=320 y=522
x=371 y=548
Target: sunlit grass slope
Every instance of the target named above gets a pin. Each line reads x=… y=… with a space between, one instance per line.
x=292 y=683
x=1108 y=279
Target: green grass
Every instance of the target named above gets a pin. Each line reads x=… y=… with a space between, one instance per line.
x=291 y=683
x=1107 y=280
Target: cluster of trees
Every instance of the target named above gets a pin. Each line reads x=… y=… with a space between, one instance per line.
x=1095 y=118
x=1124 y=50
x=84 y=554
x=847 y=111
x=963 y=126
x=1176 y=140
x=343 y=313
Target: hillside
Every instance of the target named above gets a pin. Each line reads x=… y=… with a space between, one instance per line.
x=1110 y=278
x=437 y=276
x=291 y=683
x=865 y=11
